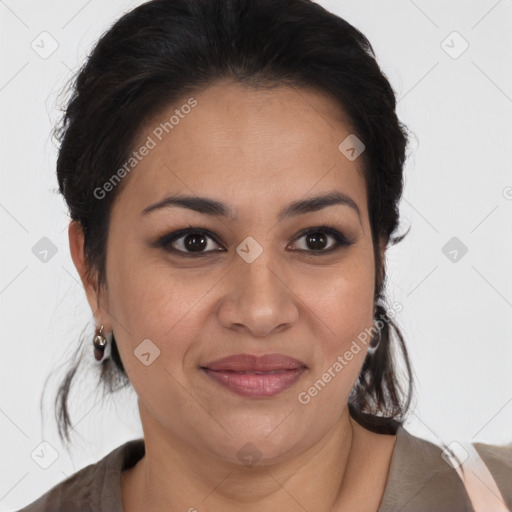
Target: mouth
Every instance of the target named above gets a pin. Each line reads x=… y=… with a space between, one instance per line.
x=256 y=377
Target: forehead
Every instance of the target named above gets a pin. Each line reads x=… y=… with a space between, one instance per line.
x=263 y=146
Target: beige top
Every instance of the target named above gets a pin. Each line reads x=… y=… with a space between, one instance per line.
x=419 y=480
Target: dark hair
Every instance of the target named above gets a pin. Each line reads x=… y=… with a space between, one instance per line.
x=163 y=50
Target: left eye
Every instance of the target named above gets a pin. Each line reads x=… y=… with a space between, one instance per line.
x=195 y=240
x=317 y=238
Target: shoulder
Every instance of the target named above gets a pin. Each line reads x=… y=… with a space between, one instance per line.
x=498 y=460
x=95 y=487
x=420 y=479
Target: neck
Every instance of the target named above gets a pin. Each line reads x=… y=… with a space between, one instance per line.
x=172 y=472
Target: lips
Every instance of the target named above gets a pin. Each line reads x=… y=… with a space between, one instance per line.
x=254 y=364
x=255 y=377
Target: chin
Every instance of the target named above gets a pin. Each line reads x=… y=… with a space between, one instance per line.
x=265 y=446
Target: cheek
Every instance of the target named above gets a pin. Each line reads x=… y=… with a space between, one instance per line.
x=154 y=302
x=343 y=297
x=345 y=308
x=166 y=305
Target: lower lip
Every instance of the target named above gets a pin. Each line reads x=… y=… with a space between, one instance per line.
x=256 y=385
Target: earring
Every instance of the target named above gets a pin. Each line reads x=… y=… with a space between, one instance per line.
x=374 y=345
x=101 y=343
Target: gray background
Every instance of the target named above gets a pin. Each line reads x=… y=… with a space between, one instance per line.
x=457 y=314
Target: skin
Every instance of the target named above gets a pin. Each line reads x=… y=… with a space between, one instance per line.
x=257 y=151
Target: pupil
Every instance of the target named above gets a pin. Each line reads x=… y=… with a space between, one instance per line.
x=190 y=242
x=317 y=239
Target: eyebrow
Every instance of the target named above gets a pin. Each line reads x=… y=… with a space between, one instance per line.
x=207 y=206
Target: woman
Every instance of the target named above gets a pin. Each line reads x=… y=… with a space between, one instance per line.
x=233 y=171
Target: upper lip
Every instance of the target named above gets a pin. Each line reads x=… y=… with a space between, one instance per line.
x=248 y=363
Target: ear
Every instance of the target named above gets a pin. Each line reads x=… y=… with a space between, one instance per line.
x=95 y=297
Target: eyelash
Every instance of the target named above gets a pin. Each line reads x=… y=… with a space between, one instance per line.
x=340 y=240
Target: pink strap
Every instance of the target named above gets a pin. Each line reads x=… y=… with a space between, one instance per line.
x=477 y=479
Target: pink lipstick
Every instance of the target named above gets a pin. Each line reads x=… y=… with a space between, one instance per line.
x=254 y=376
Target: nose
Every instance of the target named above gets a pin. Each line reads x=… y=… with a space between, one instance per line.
x=259 y=298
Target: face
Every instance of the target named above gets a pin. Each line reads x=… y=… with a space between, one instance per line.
x=251 y=283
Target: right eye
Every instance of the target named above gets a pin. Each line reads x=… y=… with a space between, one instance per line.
x=189 y=242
